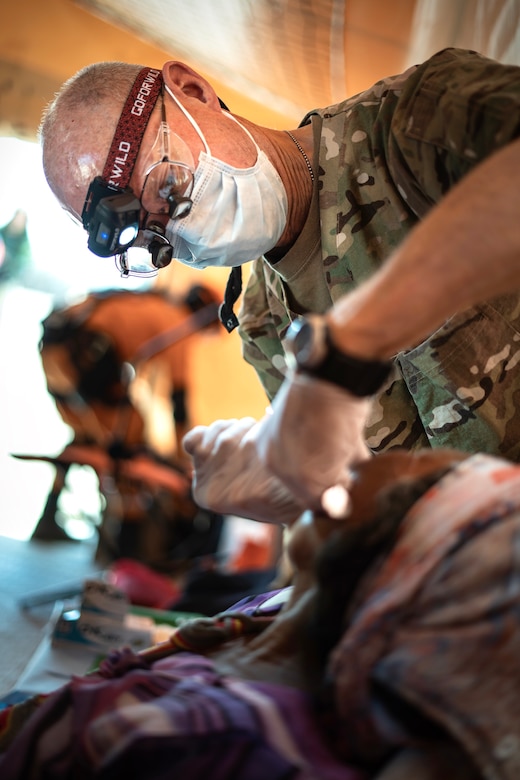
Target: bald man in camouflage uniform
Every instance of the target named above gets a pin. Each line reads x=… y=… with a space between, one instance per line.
x=386 y=221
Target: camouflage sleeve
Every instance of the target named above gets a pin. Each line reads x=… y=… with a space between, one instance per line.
x=261 y=344
x=456 y=109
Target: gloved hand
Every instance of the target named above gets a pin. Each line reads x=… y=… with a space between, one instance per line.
x=228 y=476
x=315 y=432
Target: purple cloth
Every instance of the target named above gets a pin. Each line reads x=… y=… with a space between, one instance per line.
x=180 y=718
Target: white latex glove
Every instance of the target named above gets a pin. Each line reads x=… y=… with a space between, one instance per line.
x=315 y=432
x=230 y=479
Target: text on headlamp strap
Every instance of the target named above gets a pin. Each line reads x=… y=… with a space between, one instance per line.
x=131 y=126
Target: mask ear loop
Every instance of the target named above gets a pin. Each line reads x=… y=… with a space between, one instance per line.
x=190 y=119
x=199 y=131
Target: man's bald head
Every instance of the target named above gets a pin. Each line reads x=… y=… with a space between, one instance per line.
x=78 y=127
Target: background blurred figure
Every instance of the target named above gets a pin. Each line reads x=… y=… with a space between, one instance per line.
x=110 y=361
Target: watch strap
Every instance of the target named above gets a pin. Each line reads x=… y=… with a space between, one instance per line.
x=360 y=377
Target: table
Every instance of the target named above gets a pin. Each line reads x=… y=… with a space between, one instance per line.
x=28 y=568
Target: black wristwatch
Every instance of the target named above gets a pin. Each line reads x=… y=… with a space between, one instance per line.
x=309 y=348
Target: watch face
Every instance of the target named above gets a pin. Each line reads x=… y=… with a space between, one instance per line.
x=304 y=342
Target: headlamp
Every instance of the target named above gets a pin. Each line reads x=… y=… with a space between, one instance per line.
x=111 y=218
x=112 y=214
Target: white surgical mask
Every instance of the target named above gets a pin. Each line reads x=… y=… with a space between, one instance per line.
x=238 y=214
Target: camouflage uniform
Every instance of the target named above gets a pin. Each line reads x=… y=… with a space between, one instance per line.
x=385 y=157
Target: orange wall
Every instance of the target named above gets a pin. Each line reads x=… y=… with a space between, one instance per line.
x=224 y=385
x=44 y=43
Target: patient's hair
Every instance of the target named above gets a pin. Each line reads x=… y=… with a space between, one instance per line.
x=346 y=557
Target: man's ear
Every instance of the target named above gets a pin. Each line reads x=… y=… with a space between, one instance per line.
x=183 y=81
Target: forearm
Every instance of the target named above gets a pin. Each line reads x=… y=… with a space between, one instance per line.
x=466 y=251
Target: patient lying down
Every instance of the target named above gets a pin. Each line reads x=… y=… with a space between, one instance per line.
x=396 y=655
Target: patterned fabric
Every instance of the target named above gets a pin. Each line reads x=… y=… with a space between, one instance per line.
x=180 y=718
x=386 y=157
x=14 y=717
x=438 y=623
x=165 y=713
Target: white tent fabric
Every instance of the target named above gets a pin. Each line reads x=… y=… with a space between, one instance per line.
x=491 y=27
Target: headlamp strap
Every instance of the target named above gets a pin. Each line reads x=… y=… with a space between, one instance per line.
x=130 y=129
